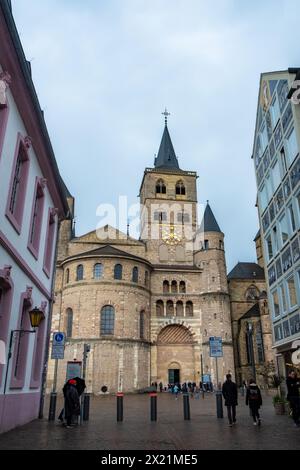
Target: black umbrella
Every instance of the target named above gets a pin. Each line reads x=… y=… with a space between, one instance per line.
x=80 y=385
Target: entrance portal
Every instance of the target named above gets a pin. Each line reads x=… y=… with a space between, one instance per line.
x=174 y=376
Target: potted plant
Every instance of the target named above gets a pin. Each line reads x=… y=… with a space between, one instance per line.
x=279 y=403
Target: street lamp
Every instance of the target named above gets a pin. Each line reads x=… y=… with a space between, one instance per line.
x=250 y=348
x=36 y=317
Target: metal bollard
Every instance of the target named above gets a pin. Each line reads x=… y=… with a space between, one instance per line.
x=52 y=407
x=186 y=407
x=219 y=401
x=153 y=406
x=86 y=407
x=120 y=397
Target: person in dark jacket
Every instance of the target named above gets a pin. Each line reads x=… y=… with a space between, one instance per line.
x=254 y=400
x=293 y=385
x=72 y=403
x=230 y=394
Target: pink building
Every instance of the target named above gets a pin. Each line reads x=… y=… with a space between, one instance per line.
x=32 y=202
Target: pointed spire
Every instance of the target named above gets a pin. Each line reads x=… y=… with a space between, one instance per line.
x=209 y=223
x=166 y=156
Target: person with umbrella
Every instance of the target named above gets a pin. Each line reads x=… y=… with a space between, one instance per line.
x=80 y=386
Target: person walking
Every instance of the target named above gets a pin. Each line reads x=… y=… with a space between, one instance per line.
x=230 y=394
x=72 y=403
x=254 y=400
x=293 y=385
x=176 y=391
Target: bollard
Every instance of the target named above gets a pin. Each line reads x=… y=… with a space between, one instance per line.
x=219 y=401
x=86 y=407
x=120 y=397
x=52 y=407
x=186 y=407
x=153 y=406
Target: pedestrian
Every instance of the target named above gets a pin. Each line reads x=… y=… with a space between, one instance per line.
x=72 y=403
x=254 y=400
x=229 y=391
x=160 y=387
x=293 y=385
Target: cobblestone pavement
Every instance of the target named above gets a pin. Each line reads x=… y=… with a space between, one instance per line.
x=170 y=432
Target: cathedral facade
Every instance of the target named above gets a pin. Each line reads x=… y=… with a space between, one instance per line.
x=146 y=307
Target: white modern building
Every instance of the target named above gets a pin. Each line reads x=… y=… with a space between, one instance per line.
x=32 y=201
x=277 y=167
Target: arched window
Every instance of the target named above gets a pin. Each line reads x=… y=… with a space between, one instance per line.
x=80 y=272
x=67 y=276
x=135 y=275
x=179 y=309
x=174 y=288
x=142 y=325
x=146 y=278
x=118 y=272
x=170 y=308
x=98 y=271
x=189 y=309
x=161 y=187
x=252 y=293
x=180 y=189
x=159 y=308
x=166 y=287
x=107 y=326
x=69 y=323
x=182 y=287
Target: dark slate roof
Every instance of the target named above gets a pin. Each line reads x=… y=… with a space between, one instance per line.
x=166 y=156
x=109 y=250
x=246 y=271
x=209 y=223
x=252 y=312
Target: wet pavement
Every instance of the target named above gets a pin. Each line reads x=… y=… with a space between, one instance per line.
x=170 y=432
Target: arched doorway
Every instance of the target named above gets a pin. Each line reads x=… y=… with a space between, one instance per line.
x=175 y=355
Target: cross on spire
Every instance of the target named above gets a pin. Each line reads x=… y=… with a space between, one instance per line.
x=166 y=114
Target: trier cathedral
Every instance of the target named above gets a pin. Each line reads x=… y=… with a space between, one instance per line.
x=146 y=307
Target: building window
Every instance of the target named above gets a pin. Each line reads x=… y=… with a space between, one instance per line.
x=118 y=273
x=206 y=245
x=67 y=276
x=249 y=349
x=159 y=308
x=107 y=321
x=179 y=309
x=17 y=192
x=182 y=287
x=284 y=231
x=166 y=287
x=221 y=245
x=174 y=287
x=292 y=147
x=283 y=298
x=98 y=271
x=170 y=308
x=21 y=346
x=292 y=292
x=278 y=332
x=161 y=187
x=252 y=294
x=69 y=323
x=79 y=273
x=276 y=307
x=142 y=325
x=295 y=324
x=269 y=247
x=36 y=218
x=183 y=217
x=292 y=218
x=275 y=239
x=189 y=309
x=49 y=242
x=160 y=216
x=275 y=112
x=135 y=275
x=276 y=176
x=259 y=344
x=180 y=189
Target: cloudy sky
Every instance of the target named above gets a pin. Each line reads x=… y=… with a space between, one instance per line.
x=104 y=71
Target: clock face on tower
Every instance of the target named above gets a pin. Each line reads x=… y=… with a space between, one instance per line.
x=170 y=237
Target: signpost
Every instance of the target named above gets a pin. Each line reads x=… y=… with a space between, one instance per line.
x=216 y=350
x=57 y=353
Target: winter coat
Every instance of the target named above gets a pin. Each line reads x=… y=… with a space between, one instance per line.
x=293 y=386
x=230 y=394
x=72 y=403
x=253 y=396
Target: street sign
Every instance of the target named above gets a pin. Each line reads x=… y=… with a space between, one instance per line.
x=59 y=338
x=215 y=347
x=58 y=345
x=73 y=370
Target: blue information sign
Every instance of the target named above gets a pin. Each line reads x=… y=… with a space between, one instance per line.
x=215 y=347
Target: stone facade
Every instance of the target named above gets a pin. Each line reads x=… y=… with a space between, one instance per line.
x=171 y=298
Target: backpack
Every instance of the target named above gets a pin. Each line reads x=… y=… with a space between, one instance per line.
x=253 y=394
